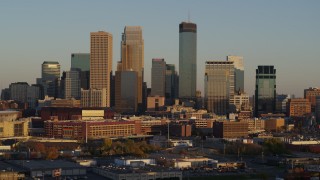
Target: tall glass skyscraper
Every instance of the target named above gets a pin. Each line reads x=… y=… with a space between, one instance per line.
x=265 y=93
x=219 y=86
x=187 y=60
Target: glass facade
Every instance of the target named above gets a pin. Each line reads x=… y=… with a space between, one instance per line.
x=265 y=92
x=219 y=86
x=80 y=61
x=50 y=75
x=187 y=60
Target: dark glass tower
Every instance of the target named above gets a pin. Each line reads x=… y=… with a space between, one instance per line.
x=265 y=93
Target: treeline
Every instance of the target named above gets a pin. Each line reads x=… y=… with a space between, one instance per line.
x=127 y=147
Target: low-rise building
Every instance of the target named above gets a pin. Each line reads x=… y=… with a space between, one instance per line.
x=230 y=129
x=46 y=168
x=149 y=172
x=89 y=129
x=274 y=124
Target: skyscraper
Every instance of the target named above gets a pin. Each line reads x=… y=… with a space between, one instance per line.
x=126 y=100
x=132 y=55
x=172 y=84
x=80 y=61
x=187 y=60
x=238 y=72
x=219 y=86
x=158 y=77
x=70 y=83
x=265 y=92
x=50 y=74
x=101 y=62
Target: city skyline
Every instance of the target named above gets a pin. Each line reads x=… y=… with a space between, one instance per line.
x=283 y=34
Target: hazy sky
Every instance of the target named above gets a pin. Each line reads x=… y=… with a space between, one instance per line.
x=283 y=33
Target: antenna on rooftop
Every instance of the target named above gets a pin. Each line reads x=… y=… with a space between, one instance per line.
x=188 y=15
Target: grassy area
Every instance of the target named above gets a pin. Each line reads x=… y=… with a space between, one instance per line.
x=230 y=177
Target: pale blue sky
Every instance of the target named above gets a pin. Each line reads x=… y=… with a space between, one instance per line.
x=282 y=33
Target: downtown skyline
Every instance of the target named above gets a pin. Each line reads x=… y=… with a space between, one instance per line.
x=283 y=34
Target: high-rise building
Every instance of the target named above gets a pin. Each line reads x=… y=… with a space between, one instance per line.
x=158 y=77
x=132 y=54
x=172 y=84
x=50 y=74
x=101 y=62
x=22 y=92
x=126 y=99
x=265 y=92
x=317 y=109
x=187 y=60
x=219 y=86
x=238 y=72
x=94 y=98
x=80 y=61
x=70 y=83
x=311 y=95
x=18 y=91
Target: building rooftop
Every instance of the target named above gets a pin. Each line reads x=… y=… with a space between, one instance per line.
x=45 y=164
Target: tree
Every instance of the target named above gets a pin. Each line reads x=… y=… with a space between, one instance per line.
x=275 y=146
x=52 y=153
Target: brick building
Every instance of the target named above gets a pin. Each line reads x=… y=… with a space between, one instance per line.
x=230 y=129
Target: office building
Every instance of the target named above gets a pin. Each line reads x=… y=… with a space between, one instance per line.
x=126 y=96
x=101 y=63
x=132 y=55
x=230 y=129
x=265 y=92
x=155 y=103
x=219 y=86
x=172 y=84
x=298 y=107
x=274 y=124
x=23 y=93
x=81 y=62
x=239 y=102
x=94 y=97
x=158 y=77
x=70 y=83
x=311 y=95
x=317 y=108
x=187 y=60
x=238 y=72
x=50 y=74
x=18 y=91
x=34 y=93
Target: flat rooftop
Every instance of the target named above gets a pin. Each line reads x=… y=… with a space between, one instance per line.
x=45 y=164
